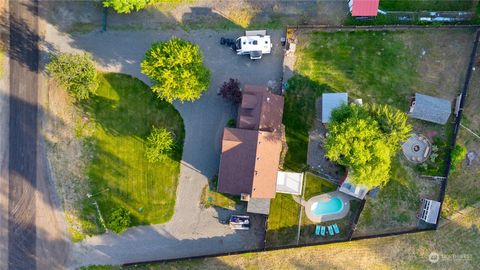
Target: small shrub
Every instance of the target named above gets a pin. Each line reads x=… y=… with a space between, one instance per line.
x=230 y=90
x=119 y=220
x=458 y=155
x=231 y=123
x=159 y=145
x=75 y=72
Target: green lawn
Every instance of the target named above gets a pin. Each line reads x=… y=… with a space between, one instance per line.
x=124 y=110
x=283 y=221
x=315 y=185
x=285 y=212
x=427 y=5
x=375 y=66
x=298 y=117
x=211 y=198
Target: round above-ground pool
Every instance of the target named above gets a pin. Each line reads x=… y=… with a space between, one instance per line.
x=327 y=207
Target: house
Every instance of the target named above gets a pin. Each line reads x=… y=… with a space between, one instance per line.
x=249 y=162
x=330 y=102
x=363 y=8
x=251 y=151
x=431 y=109
x=260 y=110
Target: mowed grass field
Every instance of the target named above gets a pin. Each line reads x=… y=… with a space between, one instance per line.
x=124 y=111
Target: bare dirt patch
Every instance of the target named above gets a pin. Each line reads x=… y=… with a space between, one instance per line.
x=86 y=16
x=66 y=155
x=443 y=57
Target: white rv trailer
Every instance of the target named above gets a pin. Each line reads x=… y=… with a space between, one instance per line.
x=254 y=43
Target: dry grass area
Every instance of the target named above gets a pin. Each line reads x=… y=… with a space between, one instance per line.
x=443 y=57
x=464 y=184
x=395 y=208
x=66 y=155
x=457 y=243
x=471 y=117
x=463 y=188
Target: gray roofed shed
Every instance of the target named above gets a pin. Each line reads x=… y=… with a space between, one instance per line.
x=431 y=109
x=331 y=101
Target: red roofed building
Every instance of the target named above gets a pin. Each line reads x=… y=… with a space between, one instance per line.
x=363 y=8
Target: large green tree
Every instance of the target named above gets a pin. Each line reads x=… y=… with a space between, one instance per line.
x=176 y=69
x=75 y=72
x=364 y=139
x=127 y=6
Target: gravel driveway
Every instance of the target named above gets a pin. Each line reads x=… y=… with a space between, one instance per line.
x=192 y=230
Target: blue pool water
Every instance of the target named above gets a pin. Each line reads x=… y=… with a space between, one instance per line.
x=332 y=206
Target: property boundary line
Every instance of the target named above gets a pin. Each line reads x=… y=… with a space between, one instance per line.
x=353 y=226
x=260 y=250
x=381 y=27
x=350 y=238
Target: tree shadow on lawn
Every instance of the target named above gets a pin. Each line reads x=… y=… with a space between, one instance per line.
x=124 y=111
x=132 y=109
x=299 y=115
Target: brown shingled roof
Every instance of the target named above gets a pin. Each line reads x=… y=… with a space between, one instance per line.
x=260 y=109
x=237 y=161
x=249 y=162
x=251 y=152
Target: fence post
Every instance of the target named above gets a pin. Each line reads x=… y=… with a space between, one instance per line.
x=104 y=19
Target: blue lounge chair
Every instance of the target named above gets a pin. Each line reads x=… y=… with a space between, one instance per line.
x=335 y=228
x=330 y=229
x=317 y=230
x=322 y=231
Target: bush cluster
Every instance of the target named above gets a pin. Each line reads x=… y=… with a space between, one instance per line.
x=75 y=72
x=119 y=220
x=159 y=145
x=230 y=90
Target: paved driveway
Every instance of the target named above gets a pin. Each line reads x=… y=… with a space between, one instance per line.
x=192 y=230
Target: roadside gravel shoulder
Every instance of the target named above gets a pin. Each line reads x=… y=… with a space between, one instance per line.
x=4 y=133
